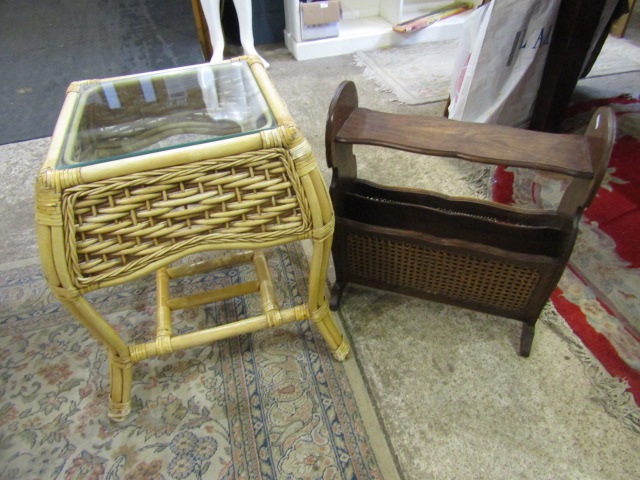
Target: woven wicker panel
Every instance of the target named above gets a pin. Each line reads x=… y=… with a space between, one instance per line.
x=468 y=278
x=120 y=225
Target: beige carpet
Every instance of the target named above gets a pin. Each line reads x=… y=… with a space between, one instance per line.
x=454 y=399
x=458 y=402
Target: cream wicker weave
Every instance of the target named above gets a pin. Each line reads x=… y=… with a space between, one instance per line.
x=146 y=169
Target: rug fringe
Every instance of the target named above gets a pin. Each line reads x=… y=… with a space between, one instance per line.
x=480 y=181
x=611 y=392
x=368 y=73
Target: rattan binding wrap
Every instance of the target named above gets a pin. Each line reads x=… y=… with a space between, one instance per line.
x=119 y=225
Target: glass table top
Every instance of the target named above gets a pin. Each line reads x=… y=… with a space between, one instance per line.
x=156 y=111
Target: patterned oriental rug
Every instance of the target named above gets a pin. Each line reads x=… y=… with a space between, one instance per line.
x=599 y=294
x=271 y=405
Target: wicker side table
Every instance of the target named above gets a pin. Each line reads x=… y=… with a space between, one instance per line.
x=146 y=169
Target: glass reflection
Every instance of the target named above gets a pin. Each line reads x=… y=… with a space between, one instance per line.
x=163 y=110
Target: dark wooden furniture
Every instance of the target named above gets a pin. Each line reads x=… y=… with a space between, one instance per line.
x=203 y=29
x=570 y=58
x=472 y=253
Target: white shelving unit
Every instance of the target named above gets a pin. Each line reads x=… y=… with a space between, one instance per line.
x=368 y=24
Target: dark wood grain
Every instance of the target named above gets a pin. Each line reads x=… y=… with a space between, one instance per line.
x=483 y=143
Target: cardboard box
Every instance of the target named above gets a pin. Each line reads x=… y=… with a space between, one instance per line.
x=319 y=19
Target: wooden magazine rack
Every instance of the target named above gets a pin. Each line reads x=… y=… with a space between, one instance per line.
x=476 y=254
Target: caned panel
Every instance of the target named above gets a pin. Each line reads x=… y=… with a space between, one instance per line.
x=469 y=278
x=120 y=225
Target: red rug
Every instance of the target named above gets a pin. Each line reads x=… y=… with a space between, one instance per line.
x=598 y=295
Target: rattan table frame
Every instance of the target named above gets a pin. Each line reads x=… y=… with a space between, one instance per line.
x=109 y=223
